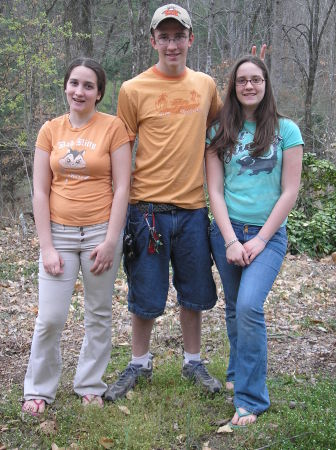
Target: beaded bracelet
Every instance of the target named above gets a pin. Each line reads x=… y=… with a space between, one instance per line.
x=262 y=239
x=231 y=242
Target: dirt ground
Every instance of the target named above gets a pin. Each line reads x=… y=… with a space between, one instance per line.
x=300 y=313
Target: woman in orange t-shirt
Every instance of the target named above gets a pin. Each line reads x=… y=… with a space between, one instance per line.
x=82 y=172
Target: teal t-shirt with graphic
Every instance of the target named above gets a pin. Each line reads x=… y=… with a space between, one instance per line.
x=252 y=185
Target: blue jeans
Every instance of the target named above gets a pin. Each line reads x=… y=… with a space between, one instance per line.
x=185 y=236
x=245 y=290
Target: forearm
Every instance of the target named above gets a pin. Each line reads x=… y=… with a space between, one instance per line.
x=118 y=215
x=220 y=212
x=42 y=219
x=279 y=213
x=290 y=184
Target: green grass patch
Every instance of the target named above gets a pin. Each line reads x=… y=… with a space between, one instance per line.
x=14 y=271
x=171 y=413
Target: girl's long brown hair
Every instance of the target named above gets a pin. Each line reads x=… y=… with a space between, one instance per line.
x=231 y=118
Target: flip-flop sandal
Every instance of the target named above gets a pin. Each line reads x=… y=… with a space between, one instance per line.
x=92 y=399
x=33 y=412
x=240 y=415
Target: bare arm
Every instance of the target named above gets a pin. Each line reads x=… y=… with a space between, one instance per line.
x=52 y=261
x=236 y=252
x=290 y=184
x=121 y=160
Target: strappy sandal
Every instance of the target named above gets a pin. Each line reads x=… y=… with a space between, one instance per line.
x=240 y=415
x=92 y=399
x=34 y=407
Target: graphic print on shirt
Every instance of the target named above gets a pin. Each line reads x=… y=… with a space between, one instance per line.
x=74 y=165
x=178 y=102
x=73 y=160
x=265 y=163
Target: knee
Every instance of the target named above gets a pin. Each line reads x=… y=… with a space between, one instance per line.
x=249 y=313
x=50 y=324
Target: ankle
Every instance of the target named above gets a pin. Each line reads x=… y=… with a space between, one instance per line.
x=142 y=360
x=187 y=357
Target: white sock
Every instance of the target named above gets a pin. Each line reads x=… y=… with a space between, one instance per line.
x=141 y=360
x=191 y=357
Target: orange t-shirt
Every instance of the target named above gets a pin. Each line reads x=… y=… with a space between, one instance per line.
x=170 y=116
x=81 y=188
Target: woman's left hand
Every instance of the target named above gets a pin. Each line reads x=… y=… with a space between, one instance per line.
x=103 y=255
x=253 y=247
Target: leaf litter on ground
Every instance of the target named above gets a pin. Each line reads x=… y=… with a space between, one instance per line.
x=300 y=314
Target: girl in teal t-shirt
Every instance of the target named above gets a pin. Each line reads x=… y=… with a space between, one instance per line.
x=253 y=164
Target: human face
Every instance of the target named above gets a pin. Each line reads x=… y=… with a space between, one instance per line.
x=250 y=95
x=172 y=55
x=82 y=91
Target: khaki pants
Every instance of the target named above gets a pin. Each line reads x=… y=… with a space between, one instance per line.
x=44 y=368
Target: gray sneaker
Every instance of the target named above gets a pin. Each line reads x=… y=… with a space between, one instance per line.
x=127 y=380
x=198 y=373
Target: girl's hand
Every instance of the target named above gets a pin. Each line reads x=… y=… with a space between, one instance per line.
x=103 y=256
x=253 y=247
x=236 y=254
x=52 y=261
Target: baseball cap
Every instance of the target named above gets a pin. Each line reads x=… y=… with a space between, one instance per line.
x=171 y=11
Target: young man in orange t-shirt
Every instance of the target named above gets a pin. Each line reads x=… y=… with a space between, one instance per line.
x=168 y=107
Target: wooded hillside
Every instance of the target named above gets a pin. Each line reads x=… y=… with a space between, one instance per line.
x=38 y=38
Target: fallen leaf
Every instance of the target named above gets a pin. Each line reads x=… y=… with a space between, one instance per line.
x=2 y=447
x=48 y=427
x=55 y=447
x=4 y=428
x=34 y=310
x=106 y=442
x=124 y=409
x=181 y=437
x=205 y=446
x=225 y=429
x=130 y=395
x=78 y=286
x=333 y=257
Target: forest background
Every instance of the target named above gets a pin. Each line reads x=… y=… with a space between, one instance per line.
x=38 y=38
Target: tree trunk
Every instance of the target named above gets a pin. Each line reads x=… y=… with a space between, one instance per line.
x=80 y=43
x=139 y=36
x=211 y=19
x=276 y=46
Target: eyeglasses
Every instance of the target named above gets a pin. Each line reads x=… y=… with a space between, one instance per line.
x=255 y=81
x=178 y=40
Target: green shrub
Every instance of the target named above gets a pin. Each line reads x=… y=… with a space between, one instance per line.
x=312 y=224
